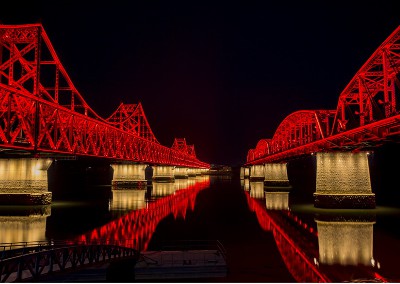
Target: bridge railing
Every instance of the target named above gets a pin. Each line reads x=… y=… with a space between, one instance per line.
x=56 y=258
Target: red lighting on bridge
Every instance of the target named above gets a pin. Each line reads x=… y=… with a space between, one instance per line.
x=41 y=111
x=367 y=114
x=135 y=229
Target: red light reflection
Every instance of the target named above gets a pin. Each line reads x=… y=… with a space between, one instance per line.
x=135 y=229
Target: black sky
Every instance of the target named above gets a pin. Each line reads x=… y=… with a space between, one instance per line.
x=221 y=74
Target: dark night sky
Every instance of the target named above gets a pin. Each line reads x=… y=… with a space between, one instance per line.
x=224 y=74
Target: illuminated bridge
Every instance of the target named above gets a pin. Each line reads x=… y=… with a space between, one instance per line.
x=367 y=116
x=43 y=115
x=123 y=237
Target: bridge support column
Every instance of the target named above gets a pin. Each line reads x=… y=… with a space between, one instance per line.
x=244 y=172
x=192 y=172
x=348 y=242
x=276 y=176
x=257 y=172
x=23 y=181
x=129 y=175
x=343 y=181
x=163 y=173
x=181 y=172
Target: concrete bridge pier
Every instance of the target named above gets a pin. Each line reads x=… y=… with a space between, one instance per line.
x=257 y=173
x=244 y=172
x=192 y=172
x=343 y=181
x=129 y=175
x=24 y=181
x=276 y=176
x=164 y=173
x=181 y=172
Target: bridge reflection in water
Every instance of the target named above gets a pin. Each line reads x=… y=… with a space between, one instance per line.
x=135 y=228
x=337 y=247
x=23 y=223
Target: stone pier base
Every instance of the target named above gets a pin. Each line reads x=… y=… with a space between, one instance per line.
x=23 y=181
x=257 y=173
x=129 y=176
x=181 y=172
x=164 y=173
x=276 y=176
x=343 y=181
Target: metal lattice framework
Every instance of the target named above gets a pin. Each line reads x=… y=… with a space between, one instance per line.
x=181 y=146
x=367 y=114
x=41 y=110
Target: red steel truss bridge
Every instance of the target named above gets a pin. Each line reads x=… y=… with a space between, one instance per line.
x=367 y=114
x=41 y=111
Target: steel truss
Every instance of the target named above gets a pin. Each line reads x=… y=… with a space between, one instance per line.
x=42 y=111
x=367 y=114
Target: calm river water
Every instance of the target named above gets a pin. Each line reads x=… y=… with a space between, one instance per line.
x=268 y=237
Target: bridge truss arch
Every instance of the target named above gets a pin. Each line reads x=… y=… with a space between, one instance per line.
x=367 y=113
x=41 y=110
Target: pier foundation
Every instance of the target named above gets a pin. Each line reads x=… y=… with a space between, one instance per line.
x=23 y=181
x=257 y=173
x=129 y=175
x=276 y=176
x=181 y=172
x=343 y=181
x=164 y=173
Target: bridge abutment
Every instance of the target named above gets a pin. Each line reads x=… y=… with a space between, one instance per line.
x=129 y=175
x=343 y=181
x=24 y=181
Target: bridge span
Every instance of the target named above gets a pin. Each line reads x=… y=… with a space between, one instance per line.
x=367 y=116
x=44 y=117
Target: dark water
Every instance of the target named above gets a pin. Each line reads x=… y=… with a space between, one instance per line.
x=268 y=237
